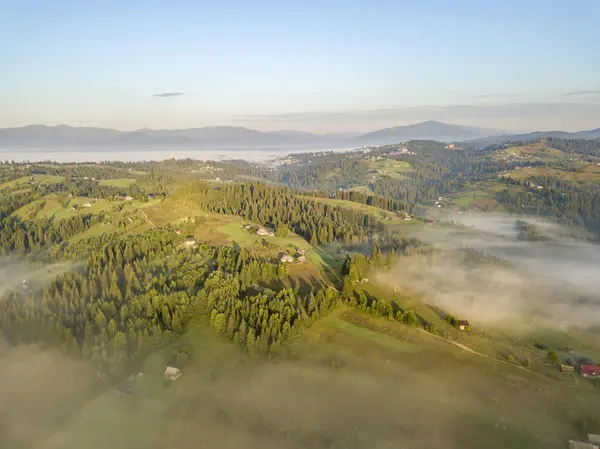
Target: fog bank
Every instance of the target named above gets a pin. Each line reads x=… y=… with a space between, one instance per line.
x=556 y=280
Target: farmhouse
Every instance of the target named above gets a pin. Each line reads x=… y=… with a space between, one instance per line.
x=594 y=438
x=177 y=231
x=172 y=373
x=286 y=258
x=128 y=198
x=567 y=368
x=86 y=205
x=301 y=259
x=428 y=222
x=264 y=233
x=463 y=325
x=589 y=371
x=189 y=240
x=581 y=445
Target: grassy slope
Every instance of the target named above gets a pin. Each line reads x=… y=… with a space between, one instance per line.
x=589 y=174
x=39 y=179
x=41 y=390
x=389 y=167
x=350 y=381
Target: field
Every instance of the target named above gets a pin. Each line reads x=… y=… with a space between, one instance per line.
x=380 y=213
x=366 y=383
x=41 y=391
x=481 y=195
x=589 y=173
x=361 y=189
x=389 y=167
x=119 y=182
x=38 y=179
x=534 y=152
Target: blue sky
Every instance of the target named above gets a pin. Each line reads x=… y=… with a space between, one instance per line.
x=312 y=65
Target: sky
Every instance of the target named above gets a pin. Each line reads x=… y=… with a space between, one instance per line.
x=311 y=65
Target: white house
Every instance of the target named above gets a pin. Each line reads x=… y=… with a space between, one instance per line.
x=172 y=373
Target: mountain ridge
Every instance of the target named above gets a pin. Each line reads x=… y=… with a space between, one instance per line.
x=239 y=138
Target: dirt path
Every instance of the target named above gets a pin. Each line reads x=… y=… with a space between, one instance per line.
x=472 y=351
x=146 y=218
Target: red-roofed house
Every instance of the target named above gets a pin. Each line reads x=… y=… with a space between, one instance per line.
x=589 y=370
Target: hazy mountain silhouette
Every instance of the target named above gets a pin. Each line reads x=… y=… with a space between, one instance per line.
x=239 y=138
x=504 y=138
x=429 y=130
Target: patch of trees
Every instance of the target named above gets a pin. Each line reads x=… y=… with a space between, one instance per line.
x=257 y=321
x=373 y=200
x=588 y=147
x=21 y=236
x=276 y=206
x=570 y=205
x=135 y=294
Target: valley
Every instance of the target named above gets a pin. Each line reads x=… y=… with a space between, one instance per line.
x=296 y=297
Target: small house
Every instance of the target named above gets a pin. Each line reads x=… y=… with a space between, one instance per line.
x=189 y=240
x=301 y=259
x=567 y=368
x=301 y=251
x=581 y=445
x=128 y=198
x=264 y=233
x=592 y=371
x=463 y=325
x=86 y=205
x=177 y=231
x=151 y=196
x=286 y=258
x=428 y=222
x=172 y=373
x=594 y=438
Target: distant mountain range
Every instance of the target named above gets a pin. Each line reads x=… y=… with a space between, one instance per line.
x=237 y=138
x=504 y=138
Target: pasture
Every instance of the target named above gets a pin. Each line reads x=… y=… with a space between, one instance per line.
x=364 y=381
x=119 y=182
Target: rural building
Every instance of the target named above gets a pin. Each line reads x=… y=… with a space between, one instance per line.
x=264 y=233
x=581 y=445
x=463 y=325
x=594 y=438
x=287 y=258
x=128 y=198
x=301 y=259
x=172 y=373
x=428 y=222
x=301 y=251
x=189 y=240
x=86 y=205
x=589 y=371
x=567 y=368
x=177 y=231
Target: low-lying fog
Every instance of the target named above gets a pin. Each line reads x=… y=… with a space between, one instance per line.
x=557 y=279
x=75 y=155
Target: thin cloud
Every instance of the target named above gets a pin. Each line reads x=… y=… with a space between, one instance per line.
x=168 y=94
x=583 y=92
x=498 y=95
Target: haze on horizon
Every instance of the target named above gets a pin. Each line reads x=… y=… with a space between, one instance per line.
x=318 y=66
